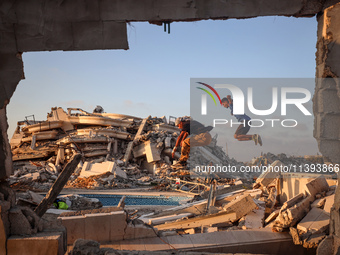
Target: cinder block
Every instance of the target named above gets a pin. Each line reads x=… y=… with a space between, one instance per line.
x=118 y=225
x=75 y=227
x=152 y=153
x=43 y=243
x=98 y=227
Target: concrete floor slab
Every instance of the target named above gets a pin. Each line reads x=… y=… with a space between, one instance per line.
x=208 y=239
x=179 y=241
x=156 y=244
x=133 y=245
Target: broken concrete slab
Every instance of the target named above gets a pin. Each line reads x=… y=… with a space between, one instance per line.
x=290 y=216
x=131 y=144
x=160 y=220
x=272 y=216
x=44 y=135
x=97 y=168
x=199 y=221
x=292 y=184
x=254 y=219
x=239 y=241
x=319 y=203
x=152 y=152
x=316 y=221
x=317 y=185
x=313 y=240
x=147 y=149
x=294 y=200
x=113 y=133
x=269 y=176
x=196 y=208
x=241 y=206
x=43 y=126
x=329 y=203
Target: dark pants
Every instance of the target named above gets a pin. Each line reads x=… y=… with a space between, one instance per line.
x=242 y=129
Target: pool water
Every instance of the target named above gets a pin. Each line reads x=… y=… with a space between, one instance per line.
x=113 y=200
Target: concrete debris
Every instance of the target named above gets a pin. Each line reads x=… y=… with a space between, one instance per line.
x=77 y=202
x=268 y=177
x=317 y=185
x=316 y=221
x=329 y=201
x=118 y=151
x=307 y=225
x=318 y=203
x=241 y=206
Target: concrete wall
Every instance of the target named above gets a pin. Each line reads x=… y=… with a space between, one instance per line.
x=38 y=25
x=326 y=100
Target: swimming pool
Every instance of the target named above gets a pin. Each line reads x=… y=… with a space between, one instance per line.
x=113 y=200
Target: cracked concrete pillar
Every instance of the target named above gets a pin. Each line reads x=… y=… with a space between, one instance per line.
x=11 y=72
x=326 y=100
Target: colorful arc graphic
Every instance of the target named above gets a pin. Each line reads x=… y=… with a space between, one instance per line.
x=208 y=93
x=218 y=96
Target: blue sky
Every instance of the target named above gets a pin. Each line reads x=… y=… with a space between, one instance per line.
x=153 y=76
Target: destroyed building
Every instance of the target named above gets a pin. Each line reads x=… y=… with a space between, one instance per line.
x=27 y=26
x=133 y=150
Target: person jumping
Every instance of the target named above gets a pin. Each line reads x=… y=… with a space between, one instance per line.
x=243 y=129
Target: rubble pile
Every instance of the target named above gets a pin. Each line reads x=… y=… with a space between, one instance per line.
x=19 y=219
x=269 y=158
x=118 y=151
x=269 y=205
